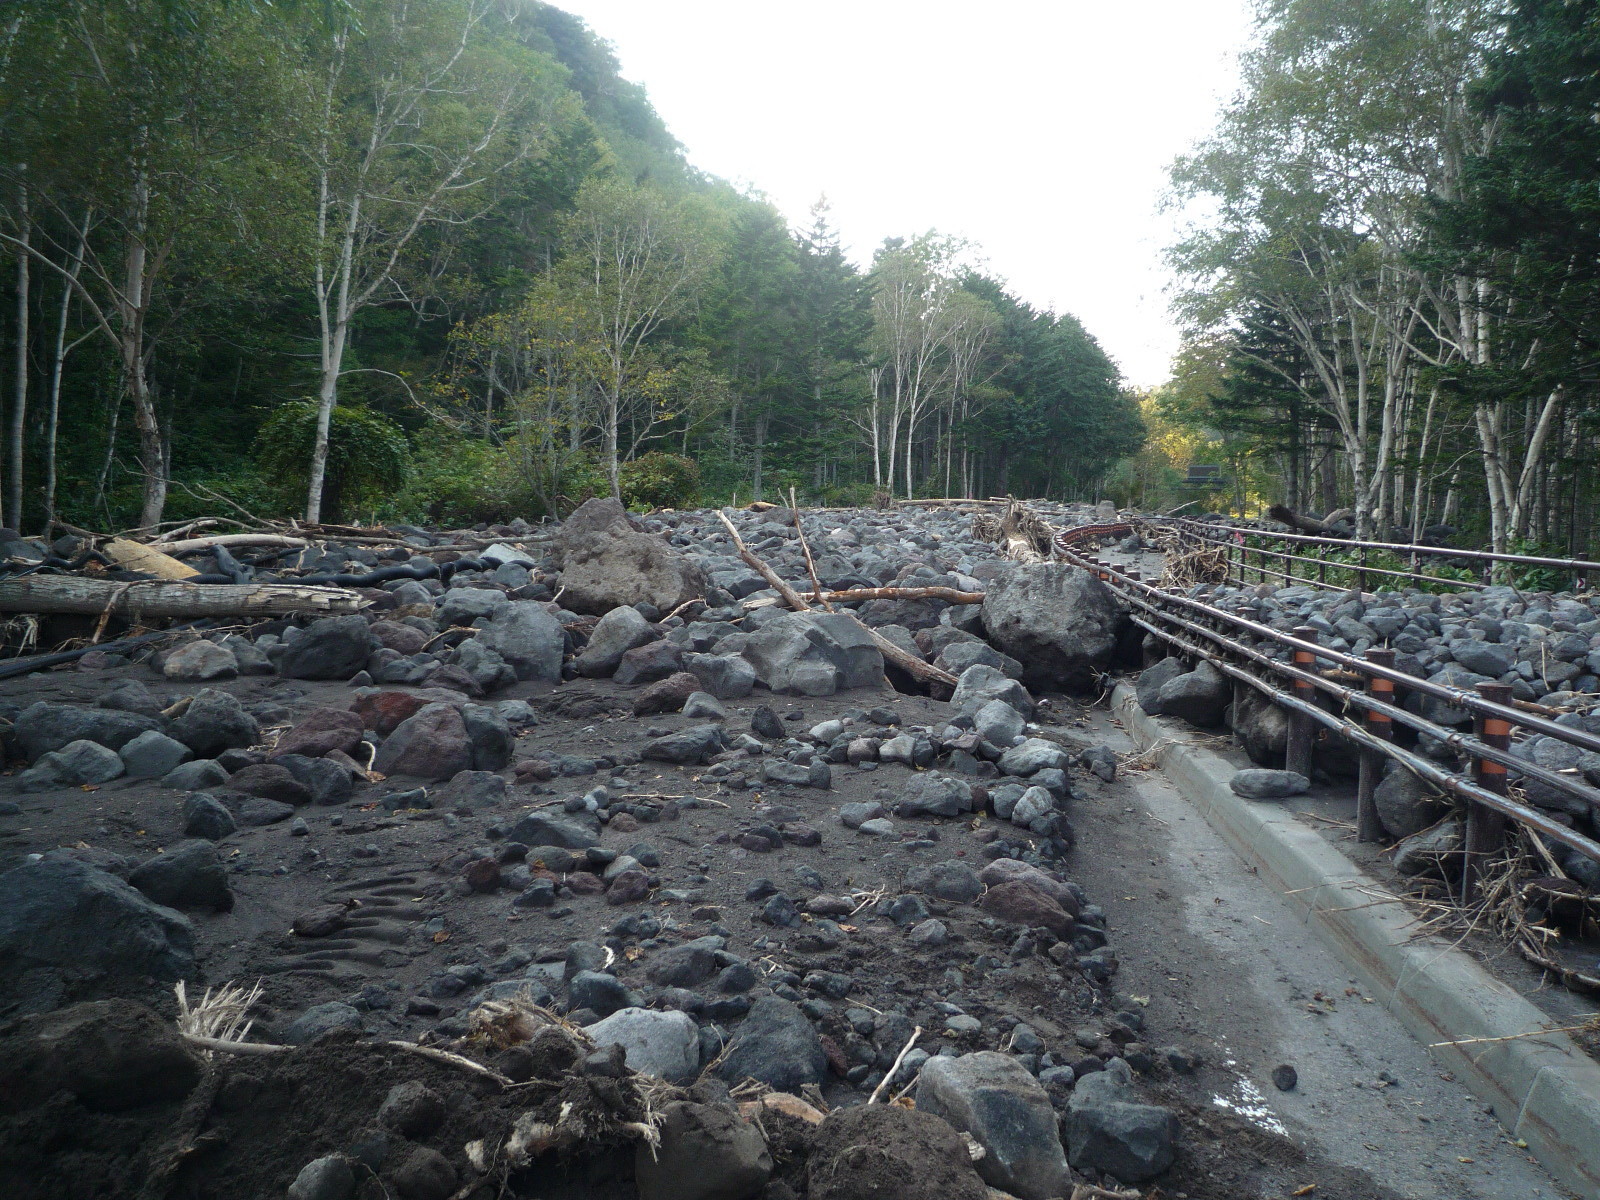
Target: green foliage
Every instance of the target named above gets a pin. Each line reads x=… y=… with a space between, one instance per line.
x=660 y=480
x=368 y=458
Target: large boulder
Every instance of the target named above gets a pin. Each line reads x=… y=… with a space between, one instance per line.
x=663 y=1044
x=529 y=638
x=111 y=1055
x=607 y=561
x=1261 y=726
x=44 y=726
x=1109 y=1130
x=1406 y=805
x=814 y=654
x=1200 y=696
x=66 y=914
x=332 y=648
x=620 y=630
x=992 y=1097
x=188 y=875
x=431 y=744
x=214 y=721
x=776 y=1045
x=1057 y=620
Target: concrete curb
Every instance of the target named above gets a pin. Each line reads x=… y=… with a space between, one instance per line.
x=1544 y=1088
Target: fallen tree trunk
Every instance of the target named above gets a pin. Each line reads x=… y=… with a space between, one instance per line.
x=909 y=663
x=851 y=595
x=1303 y=524
x=147 y=560
x=162 y=598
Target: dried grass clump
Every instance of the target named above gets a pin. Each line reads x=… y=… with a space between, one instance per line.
x=219 y=1015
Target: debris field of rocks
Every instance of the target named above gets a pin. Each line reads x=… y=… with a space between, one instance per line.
x=575 y=874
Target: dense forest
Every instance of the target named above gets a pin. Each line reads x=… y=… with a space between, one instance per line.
x=1391 y=276
x=356 y=259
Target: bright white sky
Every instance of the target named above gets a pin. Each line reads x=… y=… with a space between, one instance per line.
x=1040 y=129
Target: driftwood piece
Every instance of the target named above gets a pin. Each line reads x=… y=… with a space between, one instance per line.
x=190 y=545
x=909 y=663
x=147 y=560
x=852 y=595
x=162 y=598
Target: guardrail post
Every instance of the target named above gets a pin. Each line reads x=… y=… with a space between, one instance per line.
x=1486 y=829
x=1297 y=754
x=1369 y=828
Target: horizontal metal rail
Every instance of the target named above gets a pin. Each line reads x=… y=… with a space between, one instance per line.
x=1159 y=604
x=1576 y=565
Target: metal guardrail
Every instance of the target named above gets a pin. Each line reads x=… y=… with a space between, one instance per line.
x=1238 y=543
x=1203 y=631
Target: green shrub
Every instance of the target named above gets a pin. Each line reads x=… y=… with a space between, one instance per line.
x=660 y=480
x=368 y=458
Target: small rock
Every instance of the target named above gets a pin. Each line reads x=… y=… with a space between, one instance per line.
x=1258 y=783
x=1285 y=1077
x=326 y=1178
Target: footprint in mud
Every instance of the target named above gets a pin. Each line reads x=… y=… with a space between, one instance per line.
x=381 y=917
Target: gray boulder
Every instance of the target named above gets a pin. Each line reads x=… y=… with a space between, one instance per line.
x=981 y=684
x=663 y=1044
x=1057 y=620
x=992 y=1097
x=620 y=630
x=1109 y=1130
x=195 y=776
x=998 y=723
x=200 y=660
x=318 y=1020
x=215 y=721
x=1034 y=755
x=464 y=605
x=953 y=880
x=205 y=816
x=814 y=654
x=331 y=648
x=1258 y=783
x=607 y=561
x=152 y=755
x=725 y=676
x=44 y=726
x=189 y=875
x=65 y=914
x=1406 y=805
x=688 y=746
x=1199 y=697
x=543 y=829
x=775 y=1045
x=1436 y=851
x=75 y=764
x=1261 y=726
x=927 y=794
x=529 y=638
x=1155 y=677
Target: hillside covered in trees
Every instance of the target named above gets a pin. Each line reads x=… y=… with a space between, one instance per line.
x=371 y=258
x=1392 y=284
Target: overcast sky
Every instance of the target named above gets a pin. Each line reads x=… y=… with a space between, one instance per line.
x=1040 y=129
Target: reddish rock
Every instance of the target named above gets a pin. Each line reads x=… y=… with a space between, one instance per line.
x=395 y=636
x=533 y=768
x=756 y=843
x=320 y=921
x=382 y=712
x=666 y=695
x=582 y=883
x=482 y=875
x=800 y=835
x=624 y=823
x=628 y=887
x=1020 y=903
x=829 y=906
x=270 y=782
x=431 y=744
x=322 y=730
x=837 y=1062
x=1003 y=870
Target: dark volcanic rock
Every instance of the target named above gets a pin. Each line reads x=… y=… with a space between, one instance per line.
x=188 y=875
x=214 y=721
x=606 y=560
x=432 y=744
x=777 y=1046
x=43 y=727
x=64 y=914
x=112 y=1055
x=331 y=648
x=1057 y=620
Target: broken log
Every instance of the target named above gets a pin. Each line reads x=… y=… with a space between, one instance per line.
x=147 y=560
x=166 y=598
x=1304 y=524
x=909 y=663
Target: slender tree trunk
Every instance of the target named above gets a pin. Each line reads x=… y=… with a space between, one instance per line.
x=19 y=391
x=58 y=360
